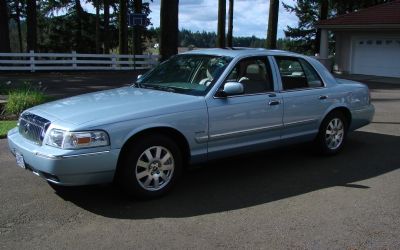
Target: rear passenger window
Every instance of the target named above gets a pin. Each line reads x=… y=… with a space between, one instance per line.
x=296 y=73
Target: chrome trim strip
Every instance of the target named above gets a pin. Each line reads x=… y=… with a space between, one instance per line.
x=221 y=136
x=300 y=122
x=244 y=95
x=58 y=157
x=243 y=132
x=301 y=89
x=201 y=139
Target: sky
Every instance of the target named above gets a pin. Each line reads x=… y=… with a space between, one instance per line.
x=250 y=17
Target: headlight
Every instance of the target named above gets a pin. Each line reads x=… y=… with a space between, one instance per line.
x=75 y=140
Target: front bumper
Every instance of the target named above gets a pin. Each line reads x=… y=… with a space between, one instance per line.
x=66 y=167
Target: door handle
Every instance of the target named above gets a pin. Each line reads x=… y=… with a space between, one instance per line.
x=323 y=97
x=274 y=102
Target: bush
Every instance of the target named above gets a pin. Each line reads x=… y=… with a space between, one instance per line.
x=23 y=98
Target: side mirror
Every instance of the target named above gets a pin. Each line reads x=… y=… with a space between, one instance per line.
x=231 y=88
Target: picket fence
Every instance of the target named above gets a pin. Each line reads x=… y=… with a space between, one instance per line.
x=73 y=61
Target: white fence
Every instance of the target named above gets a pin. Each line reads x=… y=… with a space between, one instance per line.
x=73 y=61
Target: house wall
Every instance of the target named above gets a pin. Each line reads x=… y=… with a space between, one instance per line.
x=345 y=44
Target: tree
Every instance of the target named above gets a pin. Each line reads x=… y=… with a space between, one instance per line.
x=303 y=36
x=16 y=11
x=229 y=36
x=74 y=8
x=31 y=25
x=272 y=24
x=138 y=30
x=221 y=23
x=123 y=27
x=97 y=6
x=78 y=45
x=168 y=28
x=106 y=39
x=5 y=34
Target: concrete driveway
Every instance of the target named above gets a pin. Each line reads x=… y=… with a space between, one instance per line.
x=279 y=199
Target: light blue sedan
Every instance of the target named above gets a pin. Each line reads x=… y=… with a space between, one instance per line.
x=195 y=107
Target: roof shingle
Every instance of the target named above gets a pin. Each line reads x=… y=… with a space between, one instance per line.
x=387 y=13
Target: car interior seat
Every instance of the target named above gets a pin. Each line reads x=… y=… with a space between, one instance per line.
x=255 y=78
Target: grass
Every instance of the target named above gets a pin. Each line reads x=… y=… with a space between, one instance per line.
x=21 y=99
x=5 y=126
x=21 y=96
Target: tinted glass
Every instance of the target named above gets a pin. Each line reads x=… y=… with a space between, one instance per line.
x=313 y=78
x=296 y=73
x=254 y=73
x=188 y=74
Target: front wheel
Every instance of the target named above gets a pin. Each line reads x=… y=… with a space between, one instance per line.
x=150 y=166
x=332 y=133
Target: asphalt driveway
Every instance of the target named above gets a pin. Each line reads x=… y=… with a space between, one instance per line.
x=279 y=199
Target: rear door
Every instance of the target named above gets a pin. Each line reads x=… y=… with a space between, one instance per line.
x=305 y=98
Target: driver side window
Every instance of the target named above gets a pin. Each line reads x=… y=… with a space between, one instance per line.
x=254 y=73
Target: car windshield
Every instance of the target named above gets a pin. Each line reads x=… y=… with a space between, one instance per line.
x=187 y=74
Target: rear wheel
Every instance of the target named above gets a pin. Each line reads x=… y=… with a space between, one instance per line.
x=332 y=133
x=150 y=166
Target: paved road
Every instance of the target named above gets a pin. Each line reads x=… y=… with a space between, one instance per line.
x=65 y=84
x=287 y=198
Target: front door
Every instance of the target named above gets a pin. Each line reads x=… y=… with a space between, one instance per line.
x=249 y=121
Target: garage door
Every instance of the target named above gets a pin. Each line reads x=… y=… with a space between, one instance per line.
x=377 y=56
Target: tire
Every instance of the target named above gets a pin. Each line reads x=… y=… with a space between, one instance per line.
x=332 y=133
x=150 y=166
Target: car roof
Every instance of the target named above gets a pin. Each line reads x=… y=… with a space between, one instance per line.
x=235 y=52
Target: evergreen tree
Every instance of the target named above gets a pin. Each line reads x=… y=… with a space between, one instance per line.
x=123 y=27
x=169 y=32
x=272 y=24
x=229 y=35
x=5 y=34
x=221 y=23
x=17 y=9
x=97 y=7
x=31 y=19
x=106 y=39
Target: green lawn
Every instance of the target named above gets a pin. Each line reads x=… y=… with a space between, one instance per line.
x=5 y=126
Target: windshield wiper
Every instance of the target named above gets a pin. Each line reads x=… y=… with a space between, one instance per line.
x=137 y=85
x=157 y=87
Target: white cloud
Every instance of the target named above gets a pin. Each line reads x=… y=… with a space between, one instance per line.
x=250 y=16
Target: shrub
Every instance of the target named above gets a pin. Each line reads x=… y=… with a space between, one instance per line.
x=23 y=98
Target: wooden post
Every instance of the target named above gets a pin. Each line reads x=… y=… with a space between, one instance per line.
x=32 y=60
x=114 y=61
x=134 y=61
x=74 y=65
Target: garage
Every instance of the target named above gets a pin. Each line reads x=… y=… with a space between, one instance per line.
x=377 y=56
x=367 y=41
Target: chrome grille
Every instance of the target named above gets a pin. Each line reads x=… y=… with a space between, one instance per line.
x=33 y=127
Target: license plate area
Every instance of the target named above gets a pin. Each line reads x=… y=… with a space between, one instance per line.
x=20 y=159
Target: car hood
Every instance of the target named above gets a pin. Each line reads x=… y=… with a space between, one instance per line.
x=117 y=105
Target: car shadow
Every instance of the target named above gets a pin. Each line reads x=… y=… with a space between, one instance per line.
x=250 y=180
